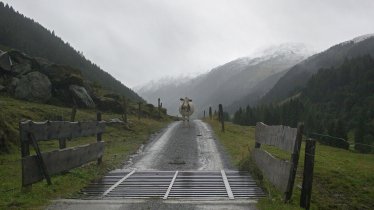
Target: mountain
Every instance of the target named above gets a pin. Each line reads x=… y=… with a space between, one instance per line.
x=26 y=35
x=334 y=101
x=227 y=83
x=297 y=77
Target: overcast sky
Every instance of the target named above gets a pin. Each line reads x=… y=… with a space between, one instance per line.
x=141 y=40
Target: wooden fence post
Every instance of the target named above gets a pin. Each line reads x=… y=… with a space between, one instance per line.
x=73 y=113
x=210 y=113
x=25 y=151
x=221 y=118
x=294 y=160
x=61 y=142
x=204 y=114
x=159 y=106
x=124 y=115
x=139 y=109
x=306 y=190
x=98 y=136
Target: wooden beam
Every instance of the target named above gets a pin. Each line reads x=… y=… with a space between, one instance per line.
x=275 y=170
x=40 y=160
x=294 y=161
x=306 y=190
x=48 y=130
x=280 y=136
x=59 y=160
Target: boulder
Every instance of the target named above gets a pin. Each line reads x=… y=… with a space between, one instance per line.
x=5 y=62
x=33 y=86
x=2 y=88
x=108 y=104
x=12 y=85
x=62 y=76
x=21 y=68
x=81 y=97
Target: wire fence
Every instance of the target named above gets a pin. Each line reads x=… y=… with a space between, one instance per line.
x=337 y=141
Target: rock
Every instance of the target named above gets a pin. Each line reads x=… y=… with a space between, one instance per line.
x=2 y=88
x=81 y=96
x=108 y=104
x=22 y=68
x=114 y=121
x=5 y=62
x=12 y=85
x=34 y=86
x=62 y=76
x=113 y=96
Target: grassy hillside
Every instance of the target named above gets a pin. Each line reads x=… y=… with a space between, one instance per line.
x=120 y=142
x=342 y=179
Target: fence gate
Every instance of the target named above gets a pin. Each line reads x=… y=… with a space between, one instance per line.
x=174 y=184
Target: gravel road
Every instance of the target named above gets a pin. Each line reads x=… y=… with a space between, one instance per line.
x=177 y=147
x=182 y=147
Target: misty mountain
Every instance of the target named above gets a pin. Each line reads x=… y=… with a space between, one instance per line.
x=229 y=82
x=26 y=35
x=297 y=77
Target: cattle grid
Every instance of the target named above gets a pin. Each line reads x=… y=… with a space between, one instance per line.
x=174 y=184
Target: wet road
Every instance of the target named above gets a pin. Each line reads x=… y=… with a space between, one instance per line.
x=177 y=147
x=182 y=147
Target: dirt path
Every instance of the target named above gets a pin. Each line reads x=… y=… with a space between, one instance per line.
x=182 y=147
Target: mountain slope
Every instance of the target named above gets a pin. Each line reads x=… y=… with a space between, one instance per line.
x=26 y=35
x=226 y=83
x=297 y=76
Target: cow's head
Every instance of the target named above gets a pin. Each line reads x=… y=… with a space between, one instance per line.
x=185 y=100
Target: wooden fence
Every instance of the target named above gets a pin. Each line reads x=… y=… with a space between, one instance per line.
x=42 y=165
x=281 y=173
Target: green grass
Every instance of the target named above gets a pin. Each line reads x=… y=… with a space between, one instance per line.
x=342 y=179
x=120 y=142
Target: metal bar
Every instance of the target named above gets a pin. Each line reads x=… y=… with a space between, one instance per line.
x=117 y=183
x=170 y=186
x=227 y=185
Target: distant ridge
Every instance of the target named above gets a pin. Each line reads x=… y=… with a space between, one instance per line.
x=24 y=34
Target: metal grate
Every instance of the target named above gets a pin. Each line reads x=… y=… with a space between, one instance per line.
x=174 y=184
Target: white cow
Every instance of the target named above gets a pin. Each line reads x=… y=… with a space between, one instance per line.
x=186 y=109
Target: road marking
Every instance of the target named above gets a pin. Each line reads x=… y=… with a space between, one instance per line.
x=170 y=186
x=227 y=185
x=118 y=183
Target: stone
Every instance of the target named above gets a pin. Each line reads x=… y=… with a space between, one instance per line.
x=108 y=104
x=115 y=121
x=33 y=86
x=81 y=97
x=5 y=62
x=22 y=68
x=2 y=88
x=62 y=76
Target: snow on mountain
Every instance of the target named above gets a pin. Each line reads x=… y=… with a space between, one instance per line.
x=226 y=83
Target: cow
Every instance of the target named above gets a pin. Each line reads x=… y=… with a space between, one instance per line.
x=186 y=109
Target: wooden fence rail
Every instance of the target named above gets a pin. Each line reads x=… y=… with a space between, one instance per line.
x=281 y=173
x=42 y=165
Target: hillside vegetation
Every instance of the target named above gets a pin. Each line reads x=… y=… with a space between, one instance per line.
x=24 y=34
x=342 y=179
x=121 y=140
x=298 y=76
x=335 y=101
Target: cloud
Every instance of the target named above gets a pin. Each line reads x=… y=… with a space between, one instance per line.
x=138 y=41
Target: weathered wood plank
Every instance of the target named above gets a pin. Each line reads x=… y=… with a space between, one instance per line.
x=283 y=137
x=48 y=130
x=275 y=170
x=60 y=160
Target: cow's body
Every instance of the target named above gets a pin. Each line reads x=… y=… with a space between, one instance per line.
x=186 y=109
